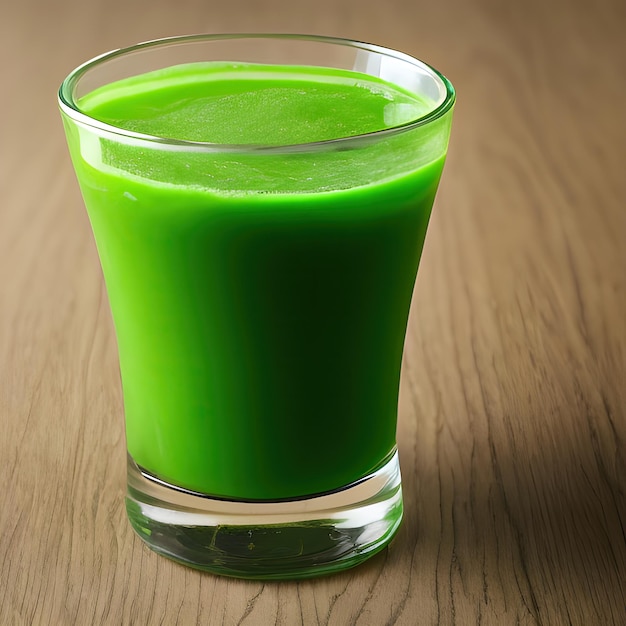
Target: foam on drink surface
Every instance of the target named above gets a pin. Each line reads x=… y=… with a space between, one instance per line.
x=236 y=104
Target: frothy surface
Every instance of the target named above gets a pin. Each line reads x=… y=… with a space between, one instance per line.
x=252 y=104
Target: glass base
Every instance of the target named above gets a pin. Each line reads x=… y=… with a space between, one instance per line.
x=267 y=540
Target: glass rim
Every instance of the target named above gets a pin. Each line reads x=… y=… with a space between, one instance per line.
x=69 y=106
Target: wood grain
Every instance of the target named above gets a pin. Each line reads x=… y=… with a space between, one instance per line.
x=512 y=425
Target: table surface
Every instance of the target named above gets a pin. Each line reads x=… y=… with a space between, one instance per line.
x=512 y=426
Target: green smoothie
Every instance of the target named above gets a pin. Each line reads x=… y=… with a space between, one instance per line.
x=260 y=296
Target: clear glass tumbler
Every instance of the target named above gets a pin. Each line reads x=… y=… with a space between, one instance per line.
x=259 y=204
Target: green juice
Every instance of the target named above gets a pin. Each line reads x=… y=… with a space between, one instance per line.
x=260 y=297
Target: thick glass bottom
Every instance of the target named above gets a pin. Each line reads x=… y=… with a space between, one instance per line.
x=268 y=540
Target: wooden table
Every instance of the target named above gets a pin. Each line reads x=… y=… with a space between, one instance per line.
x=512 y=428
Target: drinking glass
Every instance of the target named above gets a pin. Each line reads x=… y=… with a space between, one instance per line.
x=260 y=296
